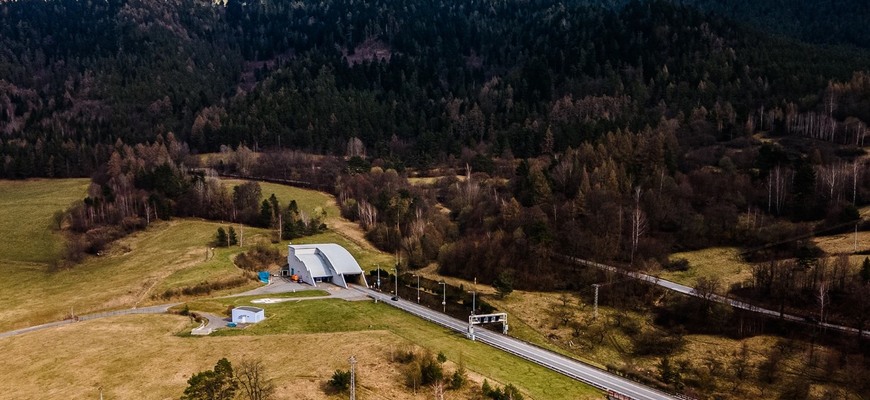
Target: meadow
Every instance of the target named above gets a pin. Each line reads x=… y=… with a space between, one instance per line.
x=27 y=219
x=134 y=271
x=723 y=263
x=157 y=356
x=301 y=343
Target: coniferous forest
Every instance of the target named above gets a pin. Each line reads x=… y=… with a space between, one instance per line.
x=615 y=131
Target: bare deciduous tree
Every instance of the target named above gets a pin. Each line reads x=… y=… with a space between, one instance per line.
x=252 y=378
x=638 y=223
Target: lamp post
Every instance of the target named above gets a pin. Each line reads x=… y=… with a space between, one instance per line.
x=418 y=288
x=444 y=297
x=379 y=275
x=396 y=271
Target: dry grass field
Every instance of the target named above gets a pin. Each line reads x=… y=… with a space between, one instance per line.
x=301 y=343
x=843 y=243
x=719 y=262
x=712 y=358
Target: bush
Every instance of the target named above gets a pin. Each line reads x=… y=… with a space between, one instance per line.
x=458 y=379
x=652 y=343
x=206 y=287
x=680 y=264
x=509 y=392
x=340 y=381
x=259 y=258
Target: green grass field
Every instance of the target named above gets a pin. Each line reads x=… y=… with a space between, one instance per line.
x=27 y=217
x=333 y=316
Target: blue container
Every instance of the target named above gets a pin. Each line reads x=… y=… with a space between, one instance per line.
x=231 y=325
x=264 y=276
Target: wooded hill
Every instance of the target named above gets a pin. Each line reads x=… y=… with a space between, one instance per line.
x=416 y=81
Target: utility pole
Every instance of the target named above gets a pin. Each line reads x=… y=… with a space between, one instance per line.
x=418 y=288
x=595 y=312
x=352 y=360
x=474 y=297
x=379 y=275
x=444 y=297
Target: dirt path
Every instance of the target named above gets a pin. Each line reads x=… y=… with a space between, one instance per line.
x=349 y=230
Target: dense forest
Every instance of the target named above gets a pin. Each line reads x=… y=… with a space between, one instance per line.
x=415 y=81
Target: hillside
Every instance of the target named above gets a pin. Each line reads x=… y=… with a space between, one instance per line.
x=415 y=81
x=814 y=21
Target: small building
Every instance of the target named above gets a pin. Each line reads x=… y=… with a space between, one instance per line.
x=248 y=315
x=314 y=263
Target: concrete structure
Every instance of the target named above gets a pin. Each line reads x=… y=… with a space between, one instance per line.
x=327 y=262
x=248 y=315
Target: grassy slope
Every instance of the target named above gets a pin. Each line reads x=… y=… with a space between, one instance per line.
x=309 y=201
x=26 y=219
x=166 y=255
x=340 y=230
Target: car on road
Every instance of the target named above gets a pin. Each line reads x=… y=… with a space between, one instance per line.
x=395 y=298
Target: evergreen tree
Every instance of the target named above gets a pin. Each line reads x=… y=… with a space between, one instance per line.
x=221 y=237
x=233 y=239
x=865 y=270
x=265 y=219
x=216 y=384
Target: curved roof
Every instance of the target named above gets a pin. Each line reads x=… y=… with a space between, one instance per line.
x=321 y=258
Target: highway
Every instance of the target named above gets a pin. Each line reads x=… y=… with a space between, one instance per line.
x=567 y=366
x=676 y=287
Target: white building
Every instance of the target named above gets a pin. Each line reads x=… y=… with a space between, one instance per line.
x=248 y=315
x=328 y=262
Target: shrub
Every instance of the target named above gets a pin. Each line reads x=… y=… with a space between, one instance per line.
x=259 y=258
x=340 y=381
x=680 y=264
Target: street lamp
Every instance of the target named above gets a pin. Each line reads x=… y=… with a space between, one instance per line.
x=379 y=275
x=418 y=288
x=396 y=271
x=444 y=297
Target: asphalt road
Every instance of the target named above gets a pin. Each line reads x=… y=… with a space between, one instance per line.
x=159 y=309
x=556 y=362
x=676 y=287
